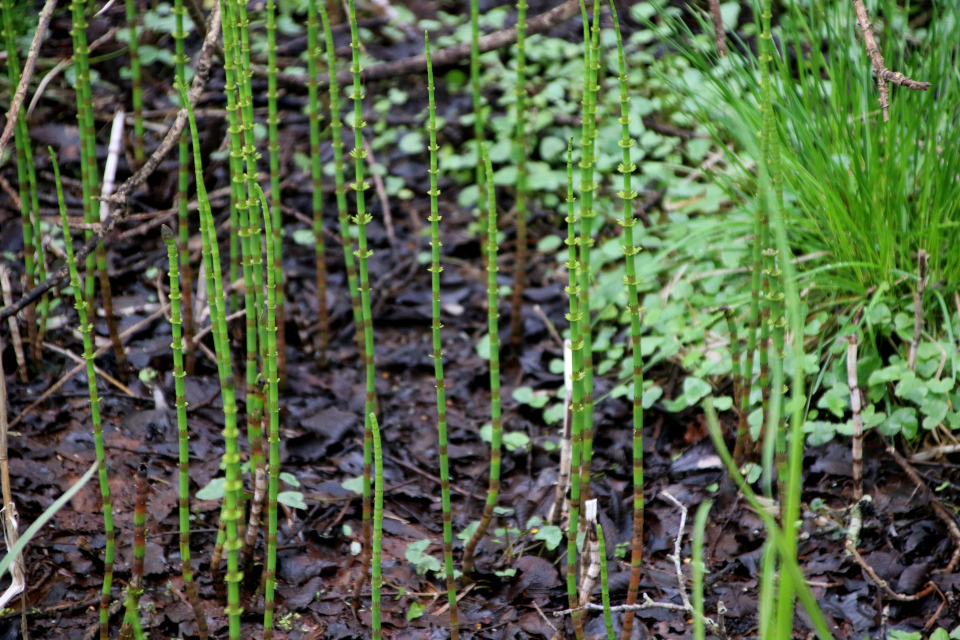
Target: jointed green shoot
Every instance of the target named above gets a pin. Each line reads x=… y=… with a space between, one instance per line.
x=604 y=585
x=493 y=330
x=179 y=374
x=336 y=128
x=363 y=254
x=313 y=60
x=183 y=213
x=630 y=250
x=131 y=621
x=697 y=566
x=376 y=581
x=435 y=270
x=520 y=153
x=478 y=124
x=575 y=317
x=86 y=329
x=273 y=122
x=232 y=509
x=137 y=97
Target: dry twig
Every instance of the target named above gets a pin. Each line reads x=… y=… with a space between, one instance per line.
x=890 y=593
x=855 y=401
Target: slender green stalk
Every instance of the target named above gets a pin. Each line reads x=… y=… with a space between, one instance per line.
x=87 y=329
x=179 y=374
x=232 y=510
x=136 y=90
x=313 y=59
x=435 y=270
x=630 y=250
x=273 y=122
x=273 y=409
x=336 y=129
x=376 y=579
x=735 y=347
x=520 y=155
x=604 y=584
x=478 y=123
x=494 y=333
x=183 y=213
x=575 y=317
x=361 y=220
x=587 y=214
x=697 y=567
x=131 y=622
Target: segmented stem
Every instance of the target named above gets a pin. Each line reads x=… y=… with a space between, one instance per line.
x=86 y=329
x=131 y=622
x=494 y=333
x=273 y=122
x=587 y=214
x=336 y=129
x=630 y=280
x=520 y=151
x=363 y=254
x=575 y=317
x=313 y=59
x=183 y=183
x=183 y=434
x=478 y=124
x=137 y=92
x=376 y=579
x=435 y=270
x=604 y=584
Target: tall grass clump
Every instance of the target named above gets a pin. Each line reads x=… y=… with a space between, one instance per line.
x=183 y=435
x=362 y=219
x=233 y=485
x=135 y=84
x=520 y=157
x=183 y=184
x=493 y=329
x=435 y=270
x=86 y=329
x=336 y=133
x=630 y=280
x=313 y=60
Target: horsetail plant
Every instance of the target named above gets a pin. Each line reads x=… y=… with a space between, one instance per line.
x=604 y=584
x=494 y=335
x=587 y=214
x=313 y=59
x=136 y=91
x=86 y=329
x=131 y=621
x=179 y=373
x=273 y=410
x=575 y=317
x=435 y=270
x=273 y=122
x=520 y=151
x=183 y=213
x=89 y=180
x=630 y=251
x=363 y=254
x=336 y=133
x=376 y=580
x=232 y=508
x=478 y=124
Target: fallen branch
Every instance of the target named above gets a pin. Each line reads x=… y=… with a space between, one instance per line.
x=890 y=593
x=442 y=58
x=121 y=198
x=884 y=75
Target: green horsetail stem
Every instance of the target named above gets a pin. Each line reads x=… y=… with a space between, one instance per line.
x=587 y=214
x=735 y=348
x=86 y=329
x=316 y=175
x=604 y=584
x=90 y=179
x=336 y=129
x=698 y=567
x=520 y=151
x=575 y=317
x=273 y=410
x=233 y=485
x=183 y=183
x=179 y=373
x=137 y=93
x=435 y=270
x=630 y=251
x=478 y=124
x=236 y=154
x=363 y=254
x=131 y=620
x=21 y=140
x=376 y=579
x=494 y=333
x=273 y=122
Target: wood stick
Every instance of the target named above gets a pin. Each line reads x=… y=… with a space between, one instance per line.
x=855 y=402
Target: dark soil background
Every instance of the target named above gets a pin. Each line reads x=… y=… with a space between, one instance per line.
x=322 y=429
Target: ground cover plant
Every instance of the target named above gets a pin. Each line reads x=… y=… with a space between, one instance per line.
x=656 y=255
